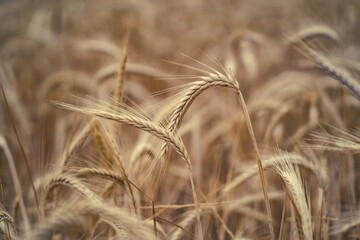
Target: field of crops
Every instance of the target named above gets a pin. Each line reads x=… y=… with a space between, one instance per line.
x=194 y=119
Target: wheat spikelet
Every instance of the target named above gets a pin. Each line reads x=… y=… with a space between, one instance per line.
x=102 y=172
x=118 y=95
x=291 y=178
x=337 y=73
x=150 y=127
x=120 y=179
x=74 y=183
x=269 y=163
x=226 y=80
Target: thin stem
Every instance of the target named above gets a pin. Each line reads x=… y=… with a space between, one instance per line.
x=261 y=170
x=22 y=151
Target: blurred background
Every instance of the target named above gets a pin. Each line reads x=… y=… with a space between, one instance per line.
x=55 y=50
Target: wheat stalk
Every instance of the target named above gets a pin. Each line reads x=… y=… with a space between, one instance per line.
x=147 y=126
x=216 y=78
x=16 y=181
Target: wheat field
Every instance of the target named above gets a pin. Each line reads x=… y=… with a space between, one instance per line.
x=194 y=119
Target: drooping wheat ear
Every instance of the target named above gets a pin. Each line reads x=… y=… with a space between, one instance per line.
x=216 y=78
x=271 y=162
x=336 y=72
x=74 y=183
x=137 y=122
x=292 y=180
x=188 y=97
x=148 y=126
x=103 y=173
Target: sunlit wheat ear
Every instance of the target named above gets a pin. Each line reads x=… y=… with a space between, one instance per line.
x=270 y=162
x=336 y=72
x=128 y=118
x=101 y=172
x=74 y=183
x=292 y=180
x=216 y=78
x=212 y=78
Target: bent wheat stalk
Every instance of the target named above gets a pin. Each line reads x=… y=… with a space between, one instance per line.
x=215 y=78
x=145 y=125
